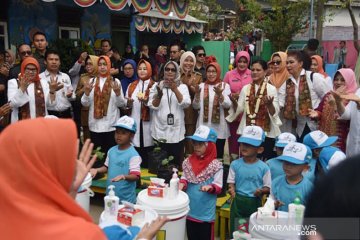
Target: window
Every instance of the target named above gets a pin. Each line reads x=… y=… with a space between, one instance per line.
x=4 y=43
x=69 y=33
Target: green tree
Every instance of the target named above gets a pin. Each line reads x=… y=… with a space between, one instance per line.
x=204 y=9
x=284 y=21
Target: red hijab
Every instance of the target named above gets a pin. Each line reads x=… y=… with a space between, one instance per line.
x=218 y=73
x=36 y=176
x=33 y=61
x=199 y=163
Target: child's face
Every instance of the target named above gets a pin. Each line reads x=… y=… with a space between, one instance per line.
x=279 y=150
x=199 y=148
x=248 y=150
x=292 y=170
x=122 y=136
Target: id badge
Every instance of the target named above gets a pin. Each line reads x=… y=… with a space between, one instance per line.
x=170 y=119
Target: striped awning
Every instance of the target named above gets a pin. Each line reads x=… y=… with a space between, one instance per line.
x=180 y=7
x=155 y=21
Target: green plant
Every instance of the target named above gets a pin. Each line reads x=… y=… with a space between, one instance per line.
x=99 y=154
x=157 y=143
x=166 y=161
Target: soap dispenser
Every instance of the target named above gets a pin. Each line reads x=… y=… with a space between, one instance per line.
x=111 y=204
x=174 y=185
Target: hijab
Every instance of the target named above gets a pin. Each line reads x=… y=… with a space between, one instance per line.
x=278 y=78
x=350 y=80
x=37 y=176
x=199 y=163
x=177 y=74
x=218 y=73
x=184 y=56
x=27 y=61
x=148 y=68
x=240 y=55
x=125 y=81
x=94 y=59
x=108 y=65
x=320 y=63
x=12 y=57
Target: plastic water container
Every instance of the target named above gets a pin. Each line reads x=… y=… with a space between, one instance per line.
x=84 y=193
x=175 y=209
x=150 y=215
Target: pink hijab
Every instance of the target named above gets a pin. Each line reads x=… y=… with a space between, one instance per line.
x=350 y=80
x=238 y=79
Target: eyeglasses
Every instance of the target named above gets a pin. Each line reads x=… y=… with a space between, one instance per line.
x=276 y=62
x=170 y=70
x=211 y=72
x=128 y=68
x=173 y=52
x=201 y=55
x=102 y=64
x=29 y=70
x=24 y=53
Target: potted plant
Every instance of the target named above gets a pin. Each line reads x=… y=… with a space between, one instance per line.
x=165 y=170
x=156 y=156
x=99 y=161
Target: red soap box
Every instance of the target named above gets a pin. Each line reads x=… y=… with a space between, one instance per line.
x=126 y=214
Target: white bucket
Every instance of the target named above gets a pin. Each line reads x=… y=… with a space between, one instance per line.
x=84 y=193
x=175 y=209
x=150 y=215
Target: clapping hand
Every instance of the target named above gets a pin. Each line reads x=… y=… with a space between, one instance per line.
x=54 y=85
x=84 y=164
x=129 y=102
x=218 y=89
x=5 y=109
x=87 y=88
x=312 y=113
x=172 y=85
x=116 y=88
x=268 y=100
x=24 y=82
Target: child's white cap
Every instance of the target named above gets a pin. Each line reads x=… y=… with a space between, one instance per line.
x=319 y=139
x=126 y=122
x=296 y=153
x=204 y=134
x=252 y=135
x=284 y=138
x=330 y=157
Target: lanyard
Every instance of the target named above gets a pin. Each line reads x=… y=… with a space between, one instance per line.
x=169 y=99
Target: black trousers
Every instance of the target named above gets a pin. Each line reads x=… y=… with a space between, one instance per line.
x=220 y=144
x=199 y=230
x=269 y=152
x=61 y=114
x=105 y=140
x=176 y=150
x=143 y=152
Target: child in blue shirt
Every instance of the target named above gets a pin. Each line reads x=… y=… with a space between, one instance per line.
x=275 y=164
x=330 y=157
x=286 y=188
x=122 y=162
x=249 y=178
x=202 y=179
x=316 y=141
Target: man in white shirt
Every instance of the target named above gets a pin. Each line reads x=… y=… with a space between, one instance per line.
x=63 y=107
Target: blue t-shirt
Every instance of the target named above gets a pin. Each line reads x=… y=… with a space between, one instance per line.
x=119 y=164
x=276 y=167
x=286 y=193
x=277 y=170
x=249 y=177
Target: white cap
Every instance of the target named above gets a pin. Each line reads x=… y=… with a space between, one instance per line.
x=284 y=138
x=127 y=123
x=296 y=153
x=253 y=135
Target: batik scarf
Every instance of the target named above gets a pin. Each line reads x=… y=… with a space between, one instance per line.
x=102 y=97
x=215 y=118
x=24 y=111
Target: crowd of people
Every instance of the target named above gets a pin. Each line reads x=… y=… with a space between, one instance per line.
x=286 y=121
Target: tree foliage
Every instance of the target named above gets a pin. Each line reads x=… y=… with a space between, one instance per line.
x=284 y=21
x=204 y=9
